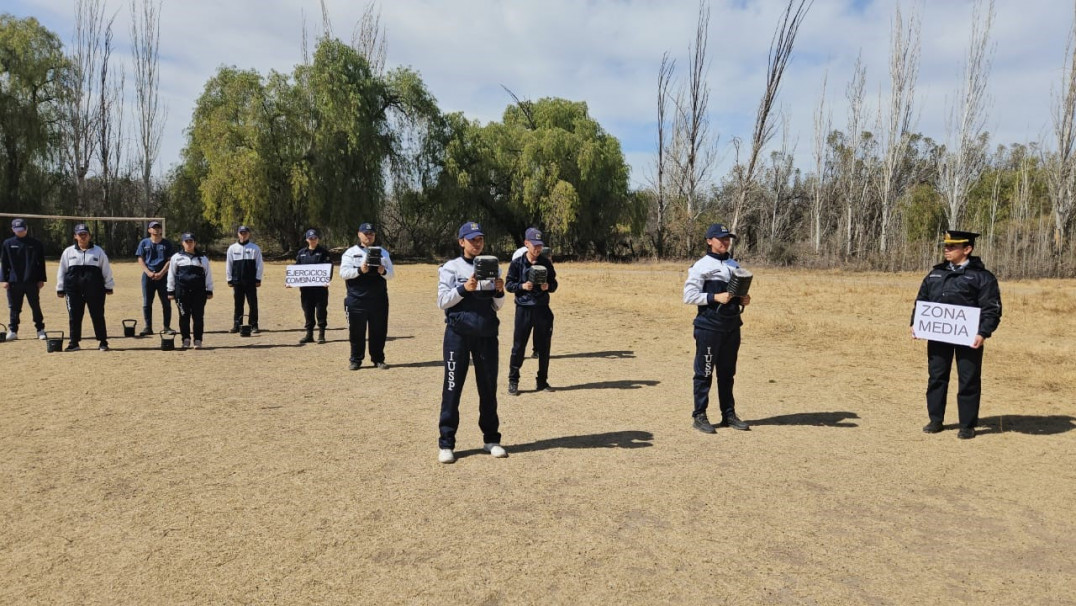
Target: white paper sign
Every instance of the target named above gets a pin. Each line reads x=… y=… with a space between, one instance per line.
x=947 y=323
x=298 y=276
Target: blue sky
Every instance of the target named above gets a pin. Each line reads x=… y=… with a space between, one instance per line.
x=607 y=53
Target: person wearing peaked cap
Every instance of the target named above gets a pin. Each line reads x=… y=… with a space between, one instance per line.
x=190 y=285
x=22 y=275
x=532 y=310
x=154 y=254
x=314 y=299
x=471 y=327
x=243 y=268
x=366 y=305
x=717 y=328
x=961 y=279
x=84 y=278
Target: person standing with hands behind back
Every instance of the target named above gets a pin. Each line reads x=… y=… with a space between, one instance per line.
x=22 y=275
x=153 y=254
x=717 y=328
x=959 y=280
x=243 y=269
x=314 y=299
x=190 y=284
x=84 y=278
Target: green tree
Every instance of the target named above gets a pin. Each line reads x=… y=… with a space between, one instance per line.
x=31 y=73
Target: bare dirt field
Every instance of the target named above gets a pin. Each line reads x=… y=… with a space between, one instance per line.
x=258 y=471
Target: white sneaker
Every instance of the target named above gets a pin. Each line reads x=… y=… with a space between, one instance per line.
x=197 y=344
x=496 y=450
x=186 y=343
x=445 y=455
x=41 y=335
x=12 y=335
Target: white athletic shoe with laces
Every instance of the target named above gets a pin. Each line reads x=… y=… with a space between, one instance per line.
x=41 y=335
x=12 y=335
x=496 y=450
x=445 y=455
x=197 y=344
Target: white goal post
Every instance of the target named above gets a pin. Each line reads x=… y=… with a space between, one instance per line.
x=164 y=224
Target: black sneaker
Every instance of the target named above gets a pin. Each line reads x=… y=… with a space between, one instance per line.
x=933 y=427
x=309 y=338
x=543 y=386
x=254 y=329
x=513 y=388
x=72 y=347
x=234 y=329
x=703 y=424
x=321 y=337
x=534 y=354
x=381 y=365
x=103 y=346
x=733 y=421
x=966 y=433
x=355 y=366
x=146 y=332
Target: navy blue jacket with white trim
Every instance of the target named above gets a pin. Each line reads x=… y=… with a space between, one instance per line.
x=189 y=274
x=709 y=276
x=467 y=313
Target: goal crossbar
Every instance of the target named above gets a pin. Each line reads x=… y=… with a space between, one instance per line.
x=164 y=224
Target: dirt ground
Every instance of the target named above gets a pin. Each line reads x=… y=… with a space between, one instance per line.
x=258 y=471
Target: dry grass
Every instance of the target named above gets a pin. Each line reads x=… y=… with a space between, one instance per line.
x=260 y=472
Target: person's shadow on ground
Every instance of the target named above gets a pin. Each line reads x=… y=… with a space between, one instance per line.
x=612 y=354
x=1035 y=425
x=612 y=439
x=817 y=419
x=626 y=384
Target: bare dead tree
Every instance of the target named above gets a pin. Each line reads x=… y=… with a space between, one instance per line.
x=822 y=127
x=895 y=117
x=1062 y=170
x=784 y=38
x=82 y=109
x=368 y=39
x=782 y=170
x=662 y=200
x=694 y=157
x=110 y=141
x=963 y=161
x=853 y=185
x=145 y=39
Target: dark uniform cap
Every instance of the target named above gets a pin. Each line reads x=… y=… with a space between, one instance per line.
x=960 y=237
x=534 y=236
x=367 y=228
x=718 y=230
x=153 y=224
x=312 y=233
x=244 y=228
x=470 y=230
x=188 y=236
x=81 y=229
x=18 y=224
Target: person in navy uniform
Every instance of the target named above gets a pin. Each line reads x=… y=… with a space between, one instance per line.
x=471 y=326
x=190 y=284
x=153 y=254
x=84 y=278
x=243 y=269
x=22 y=275
x=532 y=310
x=367 y=301
x=314 y=299
x=959 y=280
x=717 y=328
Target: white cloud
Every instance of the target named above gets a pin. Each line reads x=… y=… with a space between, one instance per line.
x=607 y=54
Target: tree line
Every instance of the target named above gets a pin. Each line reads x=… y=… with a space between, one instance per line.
x=339 y=139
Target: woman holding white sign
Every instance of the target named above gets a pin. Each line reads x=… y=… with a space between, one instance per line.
x=315 y=299
x=961 y=280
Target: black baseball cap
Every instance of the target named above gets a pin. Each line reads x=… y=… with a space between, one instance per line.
x=18 y=224
x=81 y=228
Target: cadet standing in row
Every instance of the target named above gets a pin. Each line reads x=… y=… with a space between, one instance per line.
x=532 y=310
x=190 y=283
x=154 y=254
x=471 y=327
x=717 y=328
x=959 y=280
x=314 y=299
x=22 y=275
x=243 y=269
x=367 y=301
x=84 y=278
